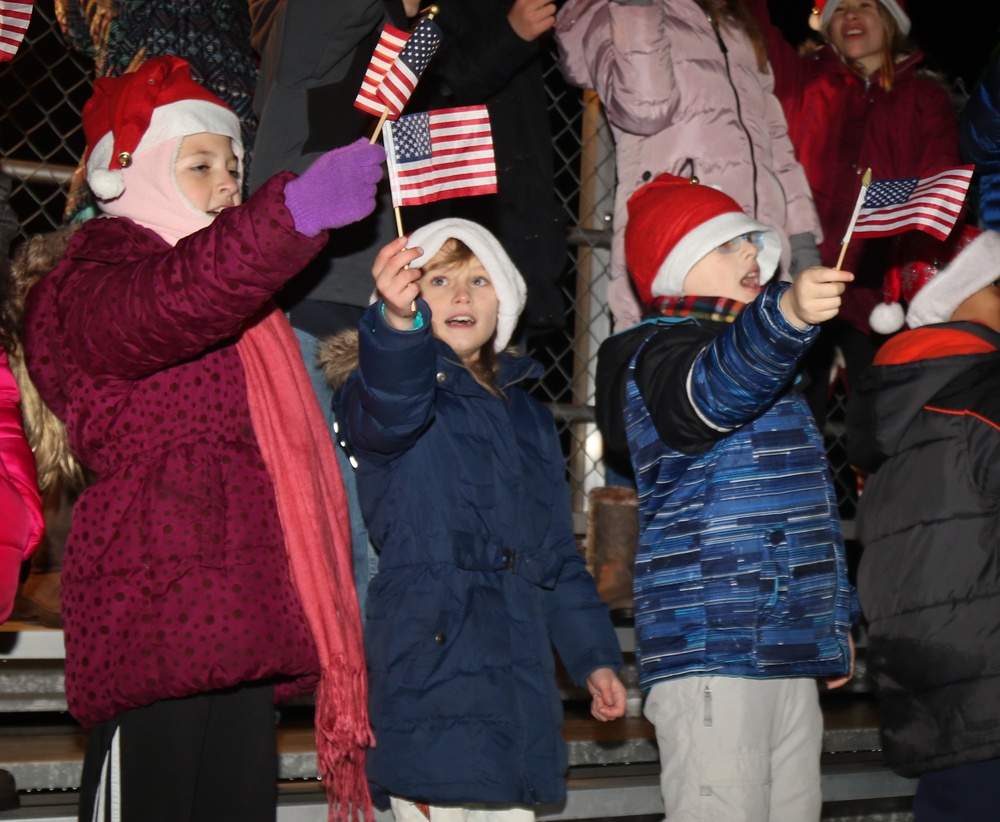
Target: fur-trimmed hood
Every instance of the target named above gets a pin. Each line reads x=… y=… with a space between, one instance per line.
x=338 y=356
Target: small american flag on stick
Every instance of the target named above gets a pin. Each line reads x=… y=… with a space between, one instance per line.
x=14 y=20
x=932 y=204
x=390 y=44
x=439 y=154
x=399 y=81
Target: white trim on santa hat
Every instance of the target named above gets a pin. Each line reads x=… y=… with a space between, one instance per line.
x=900 y=16
x=507 y=281
x=698 y=242
x=974 y=267
x=178 y=119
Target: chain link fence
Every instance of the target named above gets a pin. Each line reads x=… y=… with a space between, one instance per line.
x=41 y=141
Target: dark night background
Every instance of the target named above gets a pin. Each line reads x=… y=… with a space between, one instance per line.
x=957 y=36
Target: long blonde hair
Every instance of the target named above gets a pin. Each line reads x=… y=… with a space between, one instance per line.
x=895 y=45
x=57 y=467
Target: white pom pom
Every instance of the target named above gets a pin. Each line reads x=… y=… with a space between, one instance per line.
x=887 y=318
x=106 y=184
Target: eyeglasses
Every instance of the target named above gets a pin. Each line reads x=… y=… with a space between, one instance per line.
x=734 y=245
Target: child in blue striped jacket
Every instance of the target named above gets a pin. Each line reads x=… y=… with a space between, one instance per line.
x=741 y=591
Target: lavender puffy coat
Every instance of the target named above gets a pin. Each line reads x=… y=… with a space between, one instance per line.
x=175 y=580
x=662 y=77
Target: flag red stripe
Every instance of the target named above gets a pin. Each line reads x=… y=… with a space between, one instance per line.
x=390 y=44
x=933 y=206
x=478 y=175
x=462 y=162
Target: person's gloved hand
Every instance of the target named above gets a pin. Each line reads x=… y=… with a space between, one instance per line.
x=337 y=189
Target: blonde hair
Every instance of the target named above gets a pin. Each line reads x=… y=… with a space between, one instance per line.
x=57 y=467
x=895 y=45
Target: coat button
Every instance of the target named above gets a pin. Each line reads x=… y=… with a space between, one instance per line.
x=441 y=376
x=508 y=558
x=440 y=639
x=646 y=175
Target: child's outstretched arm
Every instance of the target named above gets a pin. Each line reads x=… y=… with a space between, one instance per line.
x=396 y=283
x=337 y=189
x=608 y=695
x=814 y=296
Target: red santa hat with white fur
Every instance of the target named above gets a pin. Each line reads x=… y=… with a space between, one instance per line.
x=130 y=113
x=934 y=285
x=823 y=11
x=673 y=222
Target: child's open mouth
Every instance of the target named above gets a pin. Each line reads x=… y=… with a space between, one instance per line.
x=460 y=321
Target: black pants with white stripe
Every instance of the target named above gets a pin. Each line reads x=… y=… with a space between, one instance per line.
x=205 y=758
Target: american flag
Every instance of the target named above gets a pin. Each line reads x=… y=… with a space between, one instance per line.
x=390 y=44
x=931 y=204
x=398 y=84
x=14 y=19
x=439 y=154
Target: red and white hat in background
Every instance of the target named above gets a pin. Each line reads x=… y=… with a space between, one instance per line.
x=135 y=111
x=937 y=278
x=674 y=222
x=823 y=10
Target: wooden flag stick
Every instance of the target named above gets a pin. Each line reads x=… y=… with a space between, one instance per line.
x=399 y=231
x=378 y=126
x=866 y=181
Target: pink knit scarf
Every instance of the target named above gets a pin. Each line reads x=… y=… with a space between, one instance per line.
x=300 y=457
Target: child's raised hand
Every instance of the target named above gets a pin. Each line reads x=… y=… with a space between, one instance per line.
x=814 y=296
x=337 y=189
x=608 y=695
x=396 y=284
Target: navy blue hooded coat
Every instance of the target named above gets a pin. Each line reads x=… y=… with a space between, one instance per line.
x=466 y=500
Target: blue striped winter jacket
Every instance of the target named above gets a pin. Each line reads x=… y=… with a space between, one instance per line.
x=740 y=569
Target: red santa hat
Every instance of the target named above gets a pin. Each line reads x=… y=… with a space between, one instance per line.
x=823 y=11
x=130 y=113
x=937 y=279
x=674 y=222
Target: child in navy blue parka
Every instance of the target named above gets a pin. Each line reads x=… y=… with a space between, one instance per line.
x=463 y=486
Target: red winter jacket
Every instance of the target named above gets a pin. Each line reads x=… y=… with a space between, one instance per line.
x=841 y=124
x=175 y=580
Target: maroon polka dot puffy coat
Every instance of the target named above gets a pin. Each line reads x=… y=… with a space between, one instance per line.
x=175 y=580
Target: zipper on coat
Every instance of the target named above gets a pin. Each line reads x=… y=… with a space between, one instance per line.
x=707 y=719
x=739 y=107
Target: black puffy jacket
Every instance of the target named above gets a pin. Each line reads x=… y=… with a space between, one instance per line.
x=926 y=419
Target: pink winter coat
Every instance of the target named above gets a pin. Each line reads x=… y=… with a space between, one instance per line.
x=175 y=580
x=21 y=524
x=662 y=76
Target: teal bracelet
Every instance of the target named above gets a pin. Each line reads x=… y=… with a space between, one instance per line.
x=418 y=318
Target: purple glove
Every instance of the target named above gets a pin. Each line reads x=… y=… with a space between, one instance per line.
x=337 y=189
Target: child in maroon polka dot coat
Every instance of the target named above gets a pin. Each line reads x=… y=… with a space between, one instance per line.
x=189 y=601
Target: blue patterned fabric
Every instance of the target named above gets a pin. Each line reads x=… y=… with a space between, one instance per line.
x=740 y=569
